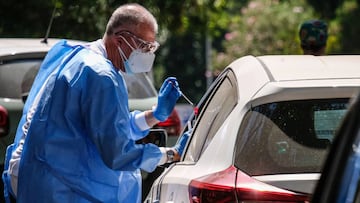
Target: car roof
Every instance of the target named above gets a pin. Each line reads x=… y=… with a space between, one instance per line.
x=14 y=46
x=308 y=67
x=263 y=79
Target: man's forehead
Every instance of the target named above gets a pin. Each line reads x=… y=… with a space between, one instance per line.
x=144 y=31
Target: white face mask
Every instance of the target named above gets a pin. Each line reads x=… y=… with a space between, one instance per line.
x=138 y=62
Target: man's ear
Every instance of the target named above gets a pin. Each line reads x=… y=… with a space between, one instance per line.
x=112 y=50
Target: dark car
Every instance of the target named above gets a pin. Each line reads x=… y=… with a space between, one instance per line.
x=340 y=178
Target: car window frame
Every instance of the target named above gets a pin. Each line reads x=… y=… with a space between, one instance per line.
x=193 y=153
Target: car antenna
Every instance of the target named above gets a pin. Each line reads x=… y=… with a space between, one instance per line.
x=45 y=40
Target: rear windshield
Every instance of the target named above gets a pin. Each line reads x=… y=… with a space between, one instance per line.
x=288 y=137
x=17 y=76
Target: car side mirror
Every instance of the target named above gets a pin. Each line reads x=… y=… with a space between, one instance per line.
x=155 y=136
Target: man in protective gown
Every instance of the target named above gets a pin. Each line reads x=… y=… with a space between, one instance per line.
x=76 y=139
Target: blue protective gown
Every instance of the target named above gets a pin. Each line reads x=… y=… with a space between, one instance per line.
x=80 y=145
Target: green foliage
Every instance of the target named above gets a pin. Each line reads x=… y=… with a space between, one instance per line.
x=83 y=19
x=265 y=27
x=326 y=8
x=236 y=28
x=182 y=54
x=20 y=21
x=347 y=29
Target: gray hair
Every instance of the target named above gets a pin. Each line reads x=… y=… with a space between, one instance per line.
x=130 y=14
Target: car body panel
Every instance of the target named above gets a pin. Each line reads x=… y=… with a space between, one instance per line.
x=216 y=158
x=305 y=90
x=260 y=80
x=294 y=182
x=18 y=46
x=308 y=67
x=143 y=103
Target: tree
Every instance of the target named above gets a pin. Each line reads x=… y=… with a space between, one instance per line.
x=264 y=27
x=326 y=8
x=185 y=24
x=234 y=28
x=345 y=29
x=183 y=53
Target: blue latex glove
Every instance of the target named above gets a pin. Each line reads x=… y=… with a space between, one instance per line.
x=180 y=145
x=168 y=95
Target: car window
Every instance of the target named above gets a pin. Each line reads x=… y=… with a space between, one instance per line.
x=16 y=77
x=218 y=105
x=288 y=136
x=139 y=86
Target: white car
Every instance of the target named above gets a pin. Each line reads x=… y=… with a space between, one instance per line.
x=262 y=131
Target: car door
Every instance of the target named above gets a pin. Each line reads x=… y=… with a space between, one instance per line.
x=213 y=109
x=339 y=181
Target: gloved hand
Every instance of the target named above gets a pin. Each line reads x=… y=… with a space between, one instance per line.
x=180 y=145
x=168 y=95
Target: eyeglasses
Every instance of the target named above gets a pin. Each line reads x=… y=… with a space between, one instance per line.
x=143 y=45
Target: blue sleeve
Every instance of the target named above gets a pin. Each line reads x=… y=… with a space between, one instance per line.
x=110 y=124
x=136 y=133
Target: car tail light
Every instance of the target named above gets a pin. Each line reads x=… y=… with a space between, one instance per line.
x=172 y=125
x=232 y=185
x=4 y=122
